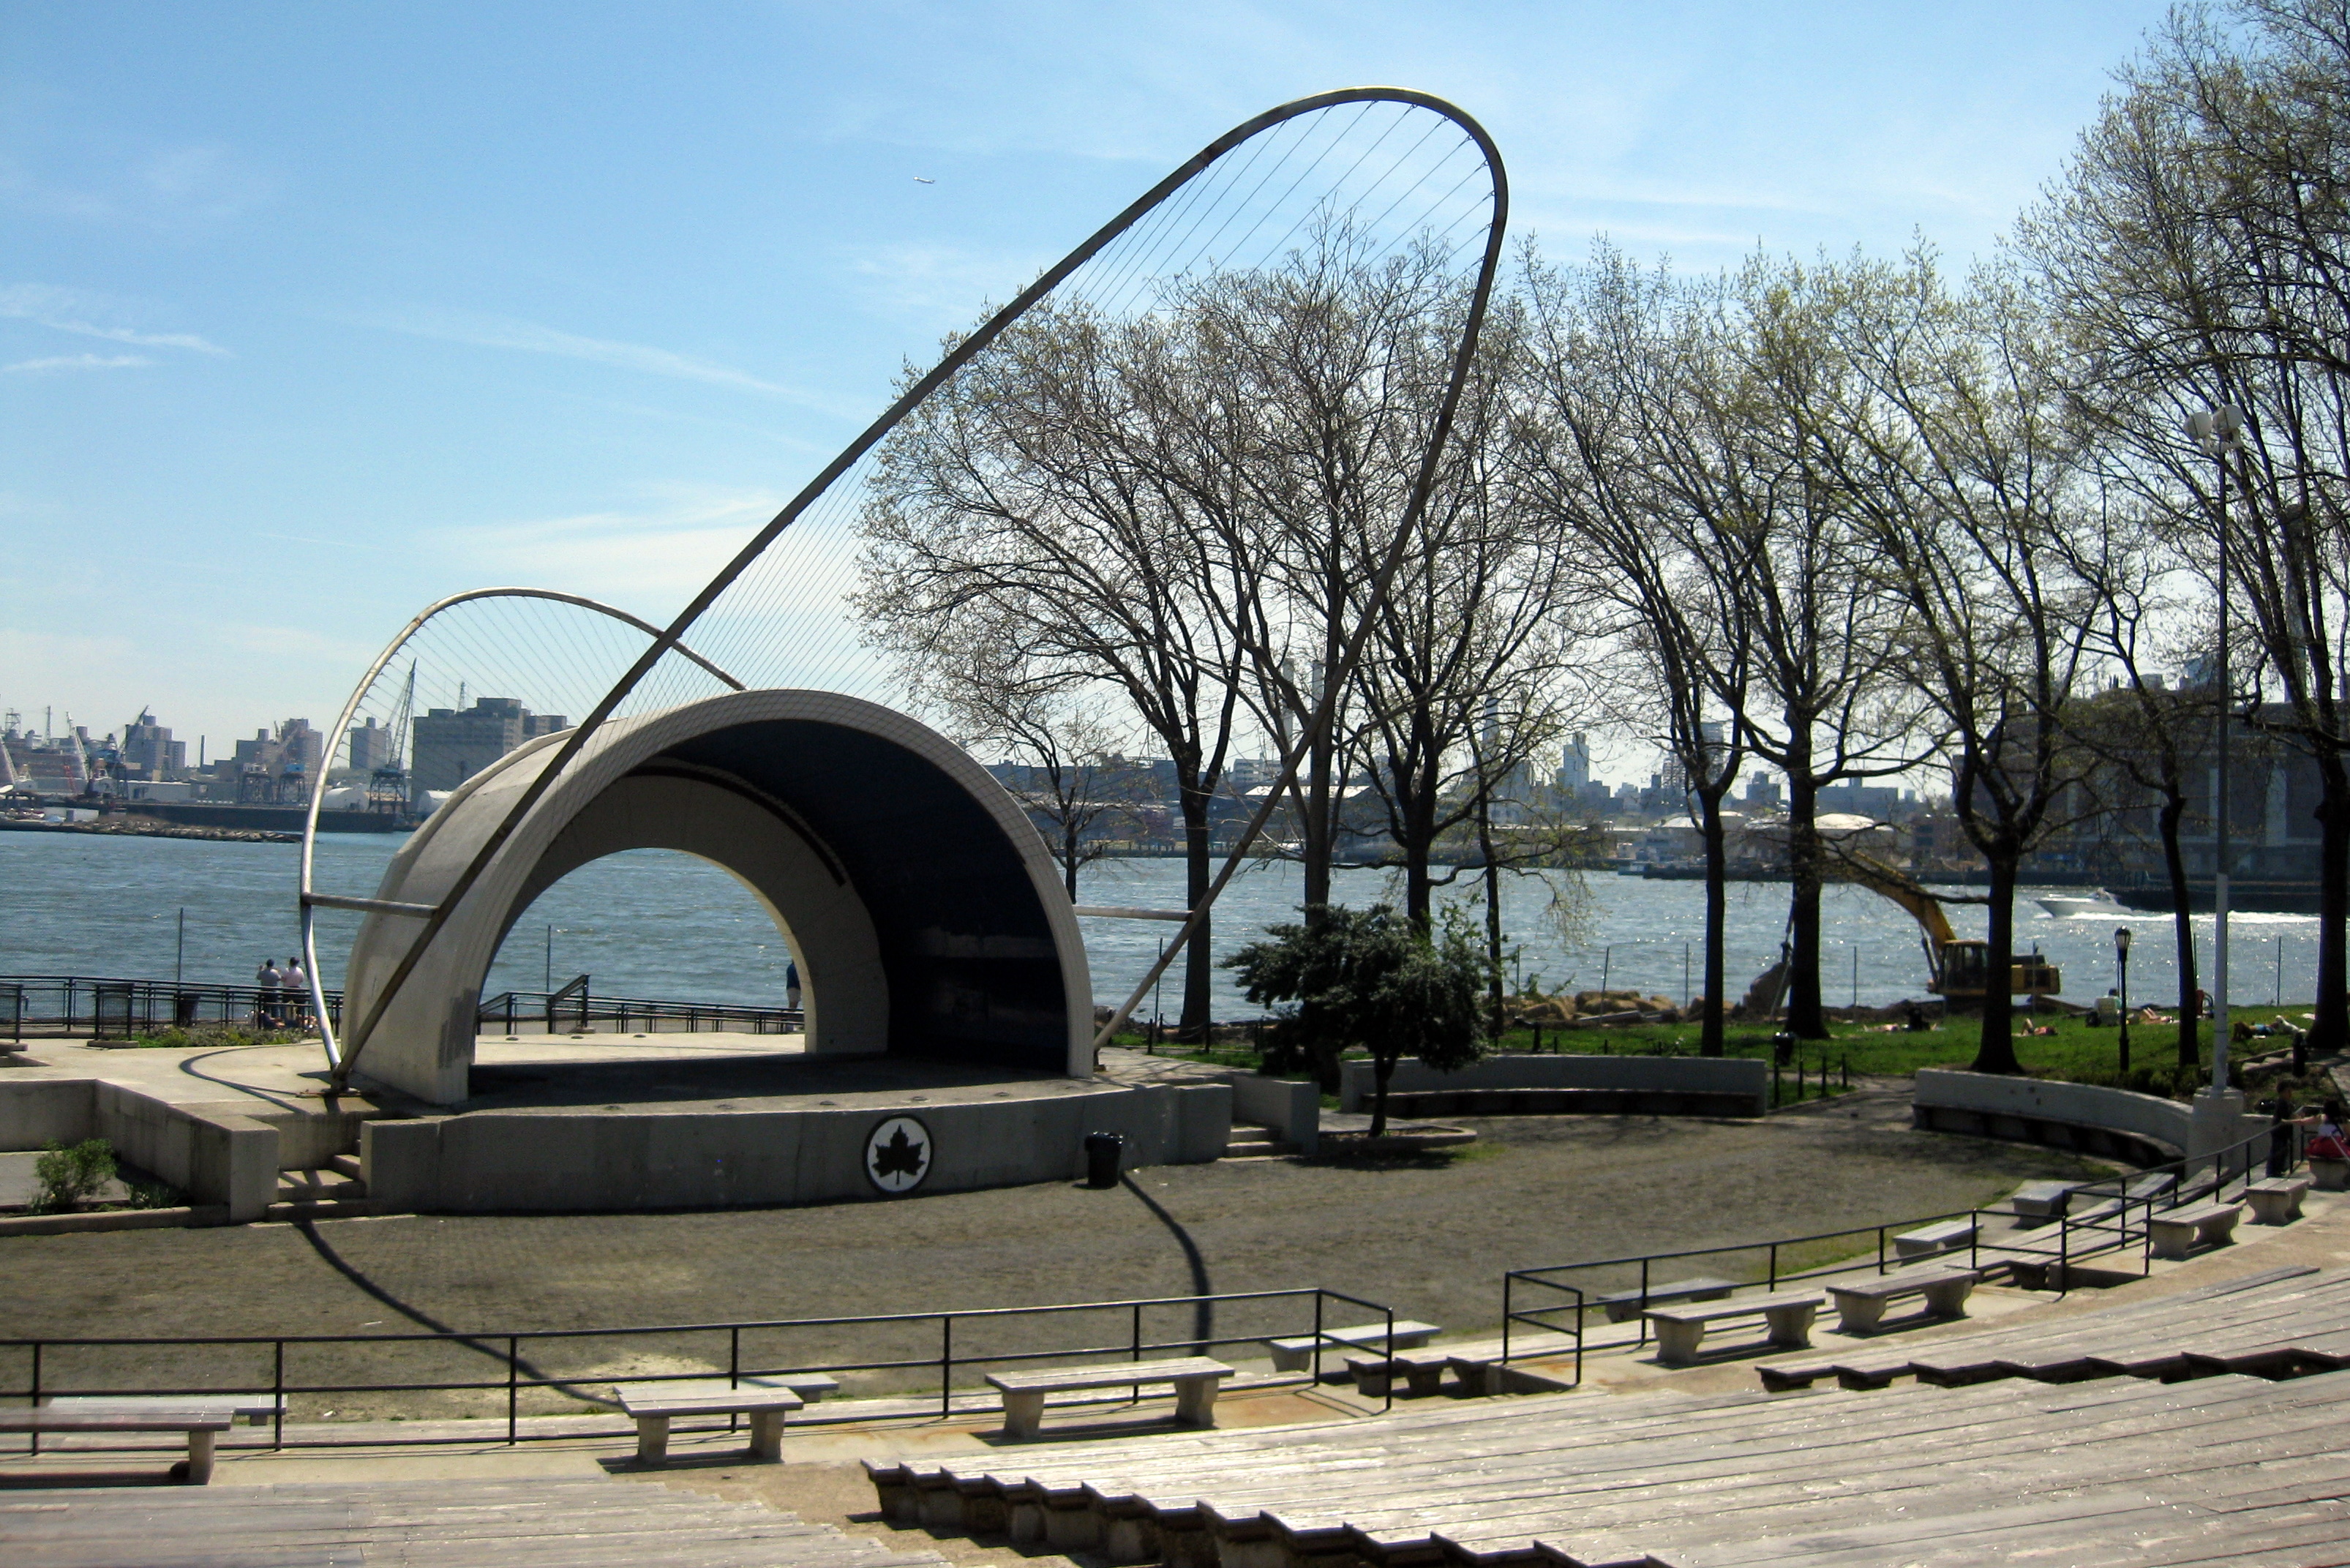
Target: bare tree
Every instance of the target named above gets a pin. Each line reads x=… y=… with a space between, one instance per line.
x=2198 y=251
x=1464 y=679
x=2142 y=731
x=1062 y=736
x=1610 y=381
x=1030 y=499
x=1956 y=453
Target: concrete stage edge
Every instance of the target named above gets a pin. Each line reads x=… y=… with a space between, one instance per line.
x=926 y=915
x=779 y=1132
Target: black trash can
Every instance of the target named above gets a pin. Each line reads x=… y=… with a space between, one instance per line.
x=1103 y=1152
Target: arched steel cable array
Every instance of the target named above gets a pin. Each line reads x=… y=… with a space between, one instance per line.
x=774 y=596
x=311 y=899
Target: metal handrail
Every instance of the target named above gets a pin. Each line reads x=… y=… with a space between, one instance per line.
x=506 y=1346
x=2111 y=1233
x=157 y=1004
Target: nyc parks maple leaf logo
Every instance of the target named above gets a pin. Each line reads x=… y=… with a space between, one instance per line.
x=899 y=1154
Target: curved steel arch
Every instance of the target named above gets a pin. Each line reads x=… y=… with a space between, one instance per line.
x=310 y=898
x=955 y=359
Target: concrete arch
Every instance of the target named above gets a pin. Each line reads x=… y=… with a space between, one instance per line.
x=926 y=915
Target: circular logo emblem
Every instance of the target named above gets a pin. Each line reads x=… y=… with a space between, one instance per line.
x=897 y=1154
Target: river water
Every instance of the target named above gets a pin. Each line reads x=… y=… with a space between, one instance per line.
x=650 y=923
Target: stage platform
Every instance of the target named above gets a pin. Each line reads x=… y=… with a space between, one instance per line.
x=557 y=1124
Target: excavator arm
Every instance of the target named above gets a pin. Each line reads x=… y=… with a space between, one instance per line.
x=1868 y=871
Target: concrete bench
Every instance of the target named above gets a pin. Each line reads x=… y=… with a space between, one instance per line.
x=1860 y=1306
x=1680 y=1330
x=766 y=1400
x=1623 y=1306
x=2179 y=1231
x=1422 y=1371
x=2042 y=1199
x=252 y=1409
x=1196 y=1379
x=1298 y=1354
x=1929 y=1240
x=2277 y=1200
x=202 y=1426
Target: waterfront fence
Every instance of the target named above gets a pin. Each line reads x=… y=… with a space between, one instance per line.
x=64 y=1006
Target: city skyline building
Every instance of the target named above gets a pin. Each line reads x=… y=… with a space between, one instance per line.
x=450 y=745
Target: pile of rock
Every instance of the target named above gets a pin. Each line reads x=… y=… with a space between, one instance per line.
x=1591 y=1009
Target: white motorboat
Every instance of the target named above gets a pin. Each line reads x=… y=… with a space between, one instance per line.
x=2097 y=901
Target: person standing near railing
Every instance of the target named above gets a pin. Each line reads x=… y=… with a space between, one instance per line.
x=791 y=985
x=271 y=980
x=298 y=992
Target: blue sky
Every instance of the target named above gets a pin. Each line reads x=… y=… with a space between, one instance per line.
x=309 y=315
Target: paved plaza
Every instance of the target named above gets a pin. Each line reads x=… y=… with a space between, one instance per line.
x=1429 y=1235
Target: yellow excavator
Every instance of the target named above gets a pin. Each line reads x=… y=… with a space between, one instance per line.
x=1961 y=970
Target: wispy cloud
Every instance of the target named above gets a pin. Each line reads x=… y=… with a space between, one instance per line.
x=939 y=281
x=78 y=362
x=529 y=338
x=71 y=310
x=173 y=189
x=649 y=558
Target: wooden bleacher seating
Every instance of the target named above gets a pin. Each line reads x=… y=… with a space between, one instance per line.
x=1297 y=1354
x=1623 y=1306
x=2273 y=1320
x=1196 y=1379
x=1787 y=1316
x=2176 y=1233
x=2277 y=1200
x=1861 y=1305
x=2216 y=1469
x=540 y=1522
x=652 y=1406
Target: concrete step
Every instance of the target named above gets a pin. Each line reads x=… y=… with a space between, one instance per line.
x=323 y=1209
x=344 y=1165
x=1247 y=1141
x=323 y=1182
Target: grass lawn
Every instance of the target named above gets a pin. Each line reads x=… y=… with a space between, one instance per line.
x=2073 y=1051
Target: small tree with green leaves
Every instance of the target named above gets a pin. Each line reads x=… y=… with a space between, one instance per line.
x=1370 y=977
x=70 y=1176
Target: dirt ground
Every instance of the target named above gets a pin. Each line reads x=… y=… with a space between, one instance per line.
x=1430 y=1236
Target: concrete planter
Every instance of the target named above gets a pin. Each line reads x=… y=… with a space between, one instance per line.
x=1531 y=1085
x=113 y=1220
x=2332 y=1174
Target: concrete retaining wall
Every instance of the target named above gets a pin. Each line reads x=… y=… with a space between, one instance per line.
x=2142 y=1129
x=487 y=1161
x=1292 y=1110
x=219 y=1160
x=1724 y=1082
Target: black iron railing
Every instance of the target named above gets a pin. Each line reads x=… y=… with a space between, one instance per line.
x=2101 y=1219
x=97 y=1007
x=69 y=1005
x=514 y=1374
x=572 y=1008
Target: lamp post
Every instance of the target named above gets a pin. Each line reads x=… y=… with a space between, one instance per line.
x=2219 y=432
x=2121 y=984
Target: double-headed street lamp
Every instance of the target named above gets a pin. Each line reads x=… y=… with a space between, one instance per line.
x=2219 y=432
